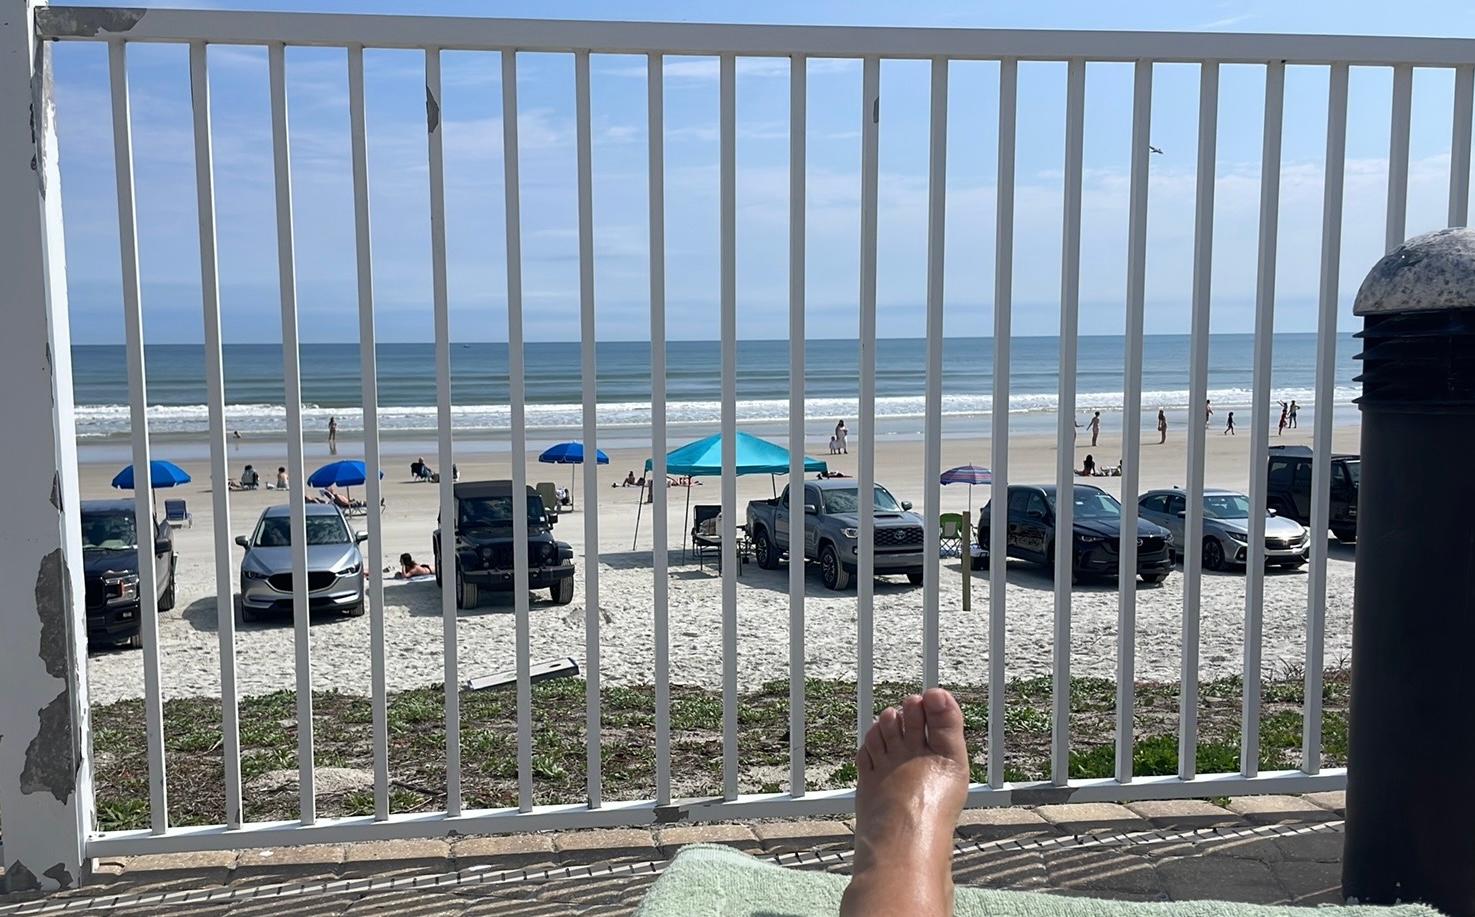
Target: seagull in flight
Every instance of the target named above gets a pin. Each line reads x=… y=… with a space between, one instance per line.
x=1153 y=149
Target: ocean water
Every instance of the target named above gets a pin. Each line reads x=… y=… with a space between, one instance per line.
x=331 y=385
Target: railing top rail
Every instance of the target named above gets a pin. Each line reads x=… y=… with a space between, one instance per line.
x=623 y=37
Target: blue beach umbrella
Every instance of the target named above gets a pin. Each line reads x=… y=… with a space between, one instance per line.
x=570 y=454
x=161 y=474
x=970 y=475
x=344 y=473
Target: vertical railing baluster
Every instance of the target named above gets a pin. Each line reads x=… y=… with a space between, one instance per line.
x=588 y=363
x=1198 y=420
x=865 y=584
x=932 y=449
x=143 y=491
x=656 y=133
x=1326 y=371
x=450 y=522
x=1459 y=146
x=1249 y=762
x=998 y=579
x=1070 y=296
x=798 y=519
x=292 y=397
x=727 y=91
x=1132 y=419
x=369 y=370
x=516 y=391
x=225 y=617
x=1398 y=135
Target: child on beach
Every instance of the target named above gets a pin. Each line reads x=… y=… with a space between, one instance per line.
x=1229 y=426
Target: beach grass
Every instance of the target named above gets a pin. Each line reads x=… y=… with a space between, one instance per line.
x=415 y=719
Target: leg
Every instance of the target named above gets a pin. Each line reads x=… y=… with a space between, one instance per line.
x=913 y=781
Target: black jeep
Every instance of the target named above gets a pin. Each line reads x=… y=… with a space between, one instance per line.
x=484 y=545
x=1288 y=489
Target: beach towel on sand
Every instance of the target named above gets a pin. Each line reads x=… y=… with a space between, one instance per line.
x=707 y=881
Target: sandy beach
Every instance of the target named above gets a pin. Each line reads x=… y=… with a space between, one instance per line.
x=340 y=646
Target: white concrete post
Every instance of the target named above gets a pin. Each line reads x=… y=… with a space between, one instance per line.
x=45 y=747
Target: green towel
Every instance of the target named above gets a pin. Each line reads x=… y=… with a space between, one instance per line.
x=708 y=881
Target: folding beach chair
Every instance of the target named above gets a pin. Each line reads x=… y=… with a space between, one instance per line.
x=175 y=512
x=954 y=532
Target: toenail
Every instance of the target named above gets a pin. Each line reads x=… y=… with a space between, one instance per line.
x=936 y=701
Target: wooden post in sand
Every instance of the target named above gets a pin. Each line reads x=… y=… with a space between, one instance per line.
x=45 y=752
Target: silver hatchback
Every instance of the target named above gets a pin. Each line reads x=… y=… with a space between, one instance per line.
x=1227 y=527
x=335 y=568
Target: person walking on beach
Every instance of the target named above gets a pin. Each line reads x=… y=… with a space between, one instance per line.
x=333 y=435
x=1229 y=426
x=1208 y=411
x=1293 y=410
x=1095 y=425
x=840 y=433
x=1162 y=427
x=1285 y=411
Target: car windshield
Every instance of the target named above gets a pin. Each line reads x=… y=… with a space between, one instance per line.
x=108 y=531
x=1094 y=504
x=847 y=500
x=1354 y=471
x=1226 y=506
x=276 y=531
x=479 y=512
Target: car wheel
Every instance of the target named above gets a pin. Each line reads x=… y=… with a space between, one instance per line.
x=1213 y=554
x=166 y=598
x=1075 y=578
x=1154 y=577
x=764 y=551
x=135 y=642
x=436 y=564
x=354 y=611
x=246 y=614
x=562 y=591
x=978 y=562
x=465 y=592
x=1345 y=535
x=832 y=572
x=916 y=577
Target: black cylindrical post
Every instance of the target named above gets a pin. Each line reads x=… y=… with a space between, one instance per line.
x=1410 y=810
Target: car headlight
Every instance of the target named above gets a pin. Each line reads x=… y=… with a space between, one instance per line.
x=1090 y=539
x=350 y=570
x=1237 y=536
x=850 y=533
x=253 y=574
x=122 y=588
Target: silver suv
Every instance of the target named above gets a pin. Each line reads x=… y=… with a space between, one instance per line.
x=335 y=568
x=1226 y=528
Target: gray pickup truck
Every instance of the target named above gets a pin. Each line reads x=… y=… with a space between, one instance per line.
x=831 y=508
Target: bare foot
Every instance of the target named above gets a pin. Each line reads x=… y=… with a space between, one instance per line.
x=913 y=781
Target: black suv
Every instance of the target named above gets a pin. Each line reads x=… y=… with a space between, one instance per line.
x=1097 y=521
x=1289 y=488
x=110 y=561
x=484 y=545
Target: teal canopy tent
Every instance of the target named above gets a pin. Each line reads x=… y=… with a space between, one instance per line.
x=703 y=458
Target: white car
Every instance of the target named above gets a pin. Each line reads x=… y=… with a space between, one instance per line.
x=1226 y=528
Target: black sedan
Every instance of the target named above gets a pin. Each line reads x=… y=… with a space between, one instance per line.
x=1097 y=523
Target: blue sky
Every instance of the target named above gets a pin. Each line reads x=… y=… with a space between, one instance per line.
x=471 y=106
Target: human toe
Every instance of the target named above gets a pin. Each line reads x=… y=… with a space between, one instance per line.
x=889 y=725
x=913 y=722
x=944 y=725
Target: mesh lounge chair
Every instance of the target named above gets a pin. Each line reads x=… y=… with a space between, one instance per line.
x=175 y=512
x=954 y=530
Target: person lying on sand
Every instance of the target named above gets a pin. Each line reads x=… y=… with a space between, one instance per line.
x=912 y=781
x=408 y=569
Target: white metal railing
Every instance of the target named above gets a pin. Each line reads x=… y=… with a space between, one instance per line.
x=656 y=42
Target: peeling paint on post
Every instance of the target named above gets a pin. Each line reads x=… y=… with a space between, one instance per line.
x=45 y=748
